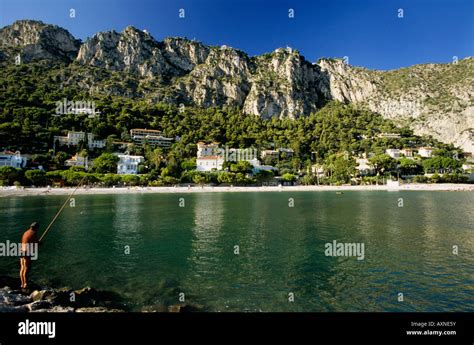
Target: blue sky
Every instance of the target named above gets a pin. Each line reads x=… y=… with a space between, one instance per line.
x=368 y=32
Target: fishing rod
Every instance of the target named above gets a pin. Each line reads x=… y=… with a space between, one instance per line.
x=61 y=209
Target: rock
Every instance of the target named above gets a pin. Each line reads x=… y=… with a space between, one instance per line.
x=11 y=298
x=155 y=308
x=57 y=300
x=10 y=309
x=39 y=305
x=98 y=310
x=184 y=308
x=37 y=40
x=55 y=309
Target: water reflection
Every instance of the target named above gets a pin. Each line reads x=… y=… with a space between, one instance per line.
x=208 y=212
x=127 y=225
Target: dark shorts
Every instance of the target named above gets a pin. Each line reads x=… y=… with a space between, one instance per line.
x=27 y=259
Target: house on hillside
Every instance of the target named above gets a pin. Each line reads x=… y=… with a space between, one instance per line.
x=128 y=164
x=73 y=138
x=425 y=152
x=407 y=152
x=209 y=163
x=12 y=159
x=77 y=161
x=152 y=137
x=394 y=153
x=364 y=167
x=204 y=149
x=209 y=157
x=274 y=154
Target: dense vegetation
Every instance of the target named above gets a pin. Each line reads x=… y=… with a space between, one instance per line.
x=328 y=137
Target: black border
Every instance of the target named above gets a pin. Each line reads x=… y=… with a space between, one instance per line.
x=237 y=328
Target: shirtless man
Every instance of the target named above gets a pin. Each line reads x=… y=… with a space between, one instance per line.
x=28 y=239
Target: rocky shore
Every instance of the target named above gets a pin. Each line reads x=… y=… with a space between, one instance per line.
x=64 y=300
x=46 y=299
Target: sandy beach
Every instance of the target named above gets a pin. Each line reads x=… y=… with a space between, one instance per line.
x=13 y=191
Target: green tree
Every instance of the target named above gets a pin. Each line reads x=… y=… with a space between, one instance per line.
x=60 y=158
x=340 y=167
x=36 y=177
x=382 y=163
x=8 y=175
x=199 y=179
x=105 y=163
x=288 y=177
x=409 y=167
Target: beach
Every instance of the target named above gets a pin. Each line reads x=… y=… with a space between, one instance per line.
x=24 y=191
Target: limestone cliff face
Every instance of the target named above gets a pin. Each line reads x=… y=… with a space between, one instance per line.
x=432 y=99
x=132 y=51
x=222 y=79
x=34 y=40
x=284 y=84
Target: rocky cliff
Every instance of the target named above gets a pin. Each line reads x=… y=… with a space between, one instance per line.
x=432 y=99
x=34 y=40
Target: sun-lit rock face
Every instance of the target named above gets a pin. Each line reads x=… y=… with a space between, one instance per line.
x=34 y=40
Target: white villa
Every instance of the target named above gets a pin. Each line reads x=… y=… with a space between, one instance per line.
x=364 y=167
x=425 y=152
x=209 y=163
x=394 y=153
x=128 y=165
x=209 y=157
x=12 y=159
x=73 y=138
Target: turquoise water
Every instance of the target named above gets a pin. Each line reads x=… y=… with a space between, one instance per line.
x=191 y=249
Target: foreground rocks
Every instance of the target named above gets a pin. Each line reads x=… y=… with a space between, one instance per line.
x=39 y=299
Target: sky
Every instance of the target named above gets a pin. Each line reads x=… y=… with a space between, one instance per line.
x=370 y=33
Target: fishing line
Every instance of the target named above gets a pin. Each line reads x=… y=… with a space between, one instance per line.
x=62 y=208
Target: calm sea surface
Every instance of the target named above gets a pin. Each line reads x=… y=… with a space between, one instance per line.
x=191 y=249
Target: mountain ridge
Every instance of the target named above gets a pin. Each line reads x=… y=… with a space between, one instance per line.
x=435 y=99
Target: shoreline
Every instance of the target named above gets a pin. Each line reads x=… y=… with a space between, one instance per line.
x=47 y=299
x=33 y=191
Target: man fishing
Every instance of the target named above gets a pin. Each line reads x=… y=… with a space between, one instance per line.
x=28 y=240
